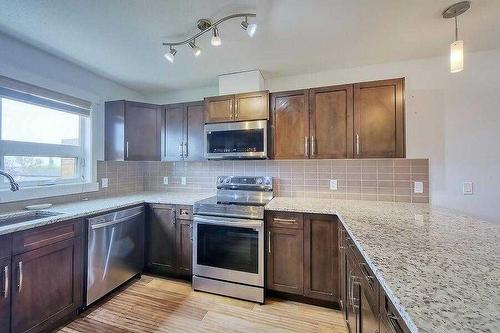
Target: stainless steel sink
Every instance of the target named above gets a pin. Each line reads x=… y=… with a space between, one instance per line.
x=15 y=218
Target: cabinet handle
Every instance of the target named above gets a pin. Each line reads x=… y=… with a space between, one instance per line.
x=6 y=282
x=284 y=221
x=181 y=152
x=191 y=231
x=230 y=110
x=366 y=273
x=268 y=242
x=394 y=323
x=236 y=112
x=126 y=148
x=357 y=144
x=313 y=145
x=20 y=269
x=185 y=149
x=306 y=146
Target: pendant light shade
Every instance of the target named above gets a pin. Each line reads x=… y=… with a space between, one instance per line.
x=196 y=49
x=249 y=28
x=171 y=55
x=216 y=41
x=457 y=56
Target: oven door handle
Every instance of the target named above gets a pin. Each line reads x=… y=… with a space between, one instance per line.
x=231 y=222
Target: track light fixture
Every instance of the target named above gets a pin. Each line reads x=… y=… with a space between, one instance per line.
x=205 y=25
x=215 y=41
x=249 y=28
x=457 y=47
x=171 y=54
x=196 y=49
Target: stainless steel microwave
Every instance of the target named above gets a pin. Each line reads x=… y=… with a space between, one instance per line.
x=238 y=140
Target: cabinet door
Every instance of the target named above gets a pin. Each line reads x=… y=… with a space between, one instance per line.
x=184 y=247
x=353 y=298
x=5 y=280
x=114 y=131
x=219 y=109
x=379 y=119
x=174 y=124
x=161 y=239
x=331 y=122
x=47 y=285
x=251 y=106
x=193 y=141
x=285 y=267
x=142 y=132
x=369 y=317
x=290 y=124
x=321 y=269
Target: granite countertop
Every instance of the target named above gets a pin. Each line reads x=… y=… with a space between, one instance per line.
x=95 y=206
x=441 y=268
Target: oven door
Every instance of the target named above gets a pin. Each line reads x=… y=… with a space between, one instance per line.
x=229 y=249
x=246 y=139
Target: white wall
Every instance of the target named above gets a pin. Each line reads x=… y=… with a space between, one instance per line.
x=179 y=96
x=452 y=119
x=23 y=62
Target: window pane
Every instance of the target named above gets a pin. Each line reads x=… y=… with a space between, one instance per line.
x=32 y=123
x=37 y=168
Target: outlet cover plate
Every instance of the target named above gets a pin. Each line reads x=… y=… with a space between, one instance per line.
x=183 y=180
x=333 y=185
x=165 y=180
x=104 y=182
x=468 y=188
x=418 y=187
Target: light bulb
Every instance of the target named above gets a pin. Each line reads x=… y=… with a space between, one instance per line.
x=216 y=41
x=196 y=49
x=457 y=56
x=252 y=27
x=171 y=54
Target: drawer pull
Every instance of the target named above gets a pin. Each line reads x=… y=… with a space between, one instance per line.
x=394 y=323
x=6 y=282
x=284 y=221
x=20 y=280
x=269 y=242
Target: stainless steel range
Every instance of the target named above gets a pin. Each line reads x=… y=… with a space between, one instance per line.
x=228 y=241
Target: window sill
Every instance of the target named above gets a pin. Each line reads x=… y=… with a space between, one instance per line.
x=39 y=192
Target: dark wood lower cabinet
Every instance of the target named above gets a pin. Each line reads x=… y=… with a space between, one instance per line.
x=169 y=238
x=5 y=276
x=285 y=260
x=321 y=274
x=46 y=285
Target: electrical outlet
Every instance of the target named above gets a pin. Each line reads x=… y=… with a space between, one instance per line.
x=418 y=187
x=333 y=185
x=467 y=188
x=183 y=180
x=104 y=182
x=165 y=180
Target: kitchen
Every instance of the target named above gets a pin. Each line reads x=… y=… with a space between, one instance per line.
x=222 y=177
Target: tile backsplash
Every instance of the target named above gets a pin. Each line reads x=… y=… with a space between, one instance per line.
x=367 y=179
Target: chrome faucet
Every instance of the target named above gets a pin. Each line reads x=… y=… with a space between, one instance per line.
x=13 y=185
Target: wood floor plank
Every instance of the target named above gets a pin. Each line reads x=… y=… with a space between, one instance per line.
x=153 y=304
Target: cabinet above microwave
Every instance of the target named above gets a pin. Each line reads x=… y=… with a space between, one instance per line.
x=239 y=107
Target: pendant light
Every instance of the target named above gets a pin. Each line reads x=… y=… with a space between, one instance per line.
x=216 y=41
x=457 y=47
x=196 y=49
x=171 y=54
x=249 y=28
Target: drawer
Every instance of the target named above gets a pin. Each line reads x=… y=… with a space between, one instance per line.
x=286 y=220
x=5 y=245
x=390 y=319
x=35 y=238
x=184 y=212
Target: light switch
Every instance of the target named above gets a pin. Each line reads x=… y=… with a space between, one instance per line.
x=183 y=180
x=468 y=188
x=418 y=187
x=104 y=182
x=165 y=180
x=333 y=184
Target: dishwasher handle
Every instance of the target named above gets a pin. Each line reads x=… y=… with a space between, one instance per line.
x=109 y=223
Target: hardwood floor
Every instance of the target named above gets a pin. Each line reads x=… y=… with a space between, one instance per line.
x=159 y=305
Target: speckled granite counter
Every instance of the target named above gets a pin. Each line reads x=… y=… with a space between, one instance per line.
x=96 y=206
x=441 y=268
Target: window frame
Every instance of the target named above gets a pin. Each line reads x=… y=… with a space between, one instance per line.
x=21 y=148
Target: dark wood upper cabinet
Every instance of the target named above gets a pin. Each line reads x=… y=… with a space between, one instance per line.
x=132 y=131
x=251 y=106
x=239 y=107
x=183 y=132
x=161 y=239
x=47 y=285
x=219 y=109
x=5 y=278
x=379 y=119
x=290 y=124
x=331 y=122
x=321 y=269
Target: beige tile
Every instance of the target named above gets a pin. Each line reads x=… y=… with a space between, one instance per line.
x=402 y=198
x=370 y=197
x=420 y=199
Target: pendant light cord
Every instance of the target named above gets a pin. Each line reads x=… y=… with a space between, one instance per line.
x=456 y=29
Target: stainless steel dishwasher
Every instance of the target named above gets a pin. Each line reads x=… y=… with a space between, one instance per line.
x=115 y=250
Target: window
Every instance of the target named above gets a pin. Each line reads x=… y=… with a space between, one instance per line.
x=42 y=140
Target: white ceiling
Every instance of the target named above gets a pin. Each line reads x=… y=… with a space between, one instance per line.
x=121 y=39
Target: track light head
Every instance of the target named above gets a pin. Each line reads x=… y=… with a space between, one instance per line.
x=171 y=54
x=215 y=41
x=196 y=49
x=249 y=28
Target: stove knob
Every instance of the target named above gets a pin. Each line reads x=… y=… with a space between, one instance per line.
x=226 y=180
x=259 y=181
x=219 y=180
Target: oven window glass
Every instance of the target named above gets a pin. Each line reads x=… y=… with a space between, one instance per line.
x=228 y=247
x=236 y=141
